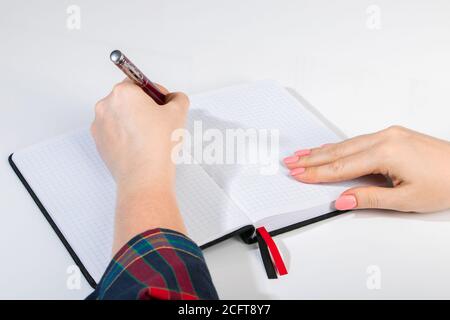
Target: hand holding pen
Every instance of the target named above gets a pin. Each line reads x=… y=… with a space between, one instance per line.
x=133 y=135
x=124 y=64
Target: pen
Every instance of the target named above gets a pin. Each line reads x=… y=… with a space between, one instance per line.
x=124 y=64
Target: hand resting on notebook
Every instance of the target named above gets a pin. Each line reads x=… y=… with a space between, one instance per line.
x=133 y=136
x=418 y=166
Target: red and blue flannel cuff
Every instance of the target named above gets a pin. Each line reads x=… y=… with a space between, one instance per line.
x=157 y=264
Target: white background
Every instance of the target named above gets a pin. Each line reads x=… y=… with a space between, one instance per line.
x=361 y=79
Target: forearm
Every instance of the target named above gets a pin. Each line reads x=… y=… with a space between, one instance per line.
x=133 y=136
x=144 y=208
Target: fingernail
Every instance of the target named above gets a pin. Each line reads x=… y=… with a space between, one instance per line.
x=301 y=153
x=345 y=202
x=290 y=160
x=297 y=171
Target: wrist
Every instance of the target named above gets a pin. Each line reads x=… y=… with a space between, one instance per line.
x=142 y=209
x=149 y=189
x=151 y=180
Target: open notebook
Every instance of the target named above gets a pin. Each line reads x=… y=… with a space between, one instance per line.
x=73 y=188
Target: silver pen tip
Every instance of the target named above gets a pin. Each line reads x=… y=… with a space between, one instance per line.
x=116 y=56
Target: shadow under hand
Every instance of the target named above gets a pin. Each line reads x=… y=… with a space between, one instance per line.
x=230 y=162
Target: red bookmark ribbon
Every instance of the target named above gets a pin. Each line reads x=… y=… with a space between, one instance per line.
x=274 y=252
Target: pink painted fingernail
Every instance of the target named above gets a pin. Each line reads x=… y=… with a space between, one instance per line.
x=345 y=202
x=290 y=160
x=297 y=171
x=301 y=153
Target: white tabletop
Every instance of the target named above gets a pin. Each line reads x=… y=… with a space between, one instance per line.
x=360 y=72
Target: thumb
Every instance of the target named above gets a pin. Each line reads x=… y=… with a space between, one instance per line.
x=373 y=197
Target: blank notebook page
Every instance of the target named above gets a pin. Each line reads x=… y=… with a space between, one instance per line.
x=266 y=105
x=77 y=190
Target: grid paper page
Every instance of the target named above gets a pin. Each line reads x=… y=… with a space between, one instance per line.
x=265 y=105
x=76 y=188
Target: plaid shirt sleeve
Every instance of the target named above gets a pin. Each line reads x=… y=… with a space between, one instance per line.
x=157 y=264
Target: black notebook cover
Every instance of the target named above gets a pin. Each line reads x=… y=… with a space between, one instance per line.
x=247 y=233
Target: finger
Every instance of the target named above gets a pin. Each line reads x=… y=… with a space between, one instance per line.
x=178 y=98
x=331 y=152
x=100 y=106
x=350 y=167
x=374 y=198
x=128 y=80
x=161 y=88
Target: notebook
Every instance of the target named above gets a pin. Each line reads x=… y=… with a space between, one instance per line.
x=73 y=188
